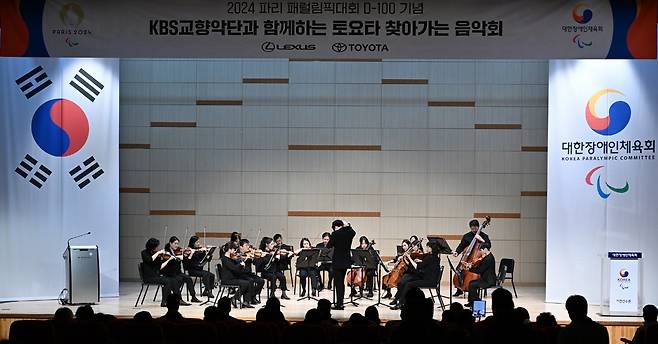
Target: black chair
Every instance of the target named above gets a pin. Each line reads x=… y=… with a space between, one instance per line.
x=507 y=268
x=223 y=287
x=437 y=288
x=140 y=268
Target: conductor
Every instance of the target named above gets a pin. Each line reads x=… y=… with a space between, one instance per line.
x=341 y=241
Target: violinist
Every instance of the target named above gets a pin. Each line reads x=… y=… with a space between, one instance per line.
x=269 y=267
x=405 y=247
x=153 y=260
x=466 y=240
x=233 y=243
x=285 y=259
x=234 y=272
x=423 y=272
x=364 y=244
x=485 y=266
x=325 y=266
x=173 y=268
x=247 y=251
x=194 y=266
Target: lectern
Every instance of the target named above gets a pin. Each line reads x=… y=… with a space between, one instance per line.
x=82 y=274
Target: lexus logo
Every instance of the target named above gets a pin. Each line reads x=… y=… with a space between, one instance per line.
x=268 y=47
x=339 y=47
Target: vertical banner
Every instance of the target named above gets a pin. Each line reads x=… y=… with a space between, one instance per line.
x=59 y=170
x=602 y=131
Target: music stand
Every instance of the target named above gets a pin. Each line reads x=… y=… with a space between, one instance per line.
x=308 y=258
x=380 y=265
x=444 y=248
x=324 y=258
x=207 y=258
x=363 y=260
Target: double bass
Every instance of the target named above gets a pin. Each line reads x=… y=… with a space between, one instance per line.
x=469 y=259
x=392 y=278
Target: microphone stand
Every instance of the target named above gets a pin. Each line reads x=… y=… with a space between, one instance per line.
x=380 y=265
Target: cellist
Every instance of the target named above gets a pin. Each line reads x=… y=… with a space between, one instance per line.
x=466 y=240
x=423 y=272
x=485 y=266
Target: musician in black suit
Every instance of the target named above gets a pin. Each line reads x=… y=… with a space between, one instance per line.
x=422 y=273
x=341 y=241
x=152 y=262
x=325 y=266
x=466 y=241
x=487 y=271
x=258 y=282
x=235 y=273
x=194 y=266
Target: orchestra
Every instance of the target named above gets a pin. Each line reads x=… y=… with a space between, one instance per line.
x=249 y=268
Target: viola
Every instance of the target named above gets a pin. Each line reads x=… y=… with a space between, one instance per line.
x=463 y=277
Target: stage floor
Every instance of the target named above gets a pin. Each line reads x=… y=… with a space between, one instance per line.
x=532 y=298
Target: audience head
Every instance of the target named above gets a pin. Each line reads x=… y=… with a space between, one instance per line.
x=84 y=313
x=522 y=314
x=173 y=303
x=356 y=319
x=63 y=315
x=152 y=244
x=372 y=314
x=546 y=319
x=456 y=306
x=501 y=302
x=650 y=313
x=324 y=306
x=576 y=307
x=313 y=316
x=143 y=316
x=273 y=304
x=224 y=306
x=211 y=313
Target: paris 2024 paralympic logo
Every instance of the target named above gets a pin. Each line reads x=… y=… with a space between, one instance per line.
x=617 y=118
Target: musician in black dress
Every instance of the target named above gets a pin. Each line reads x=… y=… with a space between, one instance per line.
x=423 y=272
x=152 y=263
x=486 y=268
x=245 y=248
x=326 y=266
x=269 y=267
x=173 y=269
x=194 y=266
x=364 y=244
x=341 y=241
x=235 y=273
x=286 y=252
x=398 y=256
x=466 y=241
x=307 y=272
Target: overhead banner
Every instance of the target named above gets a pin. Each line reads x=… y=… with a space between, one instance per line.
x=602 y=132
x=59 y=171
x=333 y=29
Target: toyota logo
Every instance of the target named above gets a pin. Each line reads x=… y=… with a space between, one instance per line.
x=339 y=47
x=268 y=47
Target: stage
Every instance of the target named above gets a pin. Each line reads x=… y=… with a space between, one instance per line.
x=530 y=297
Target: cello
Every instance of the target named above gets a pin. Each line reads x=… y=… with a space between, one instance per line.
x=463 y=277
x=357 y=276
x=392 y=278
